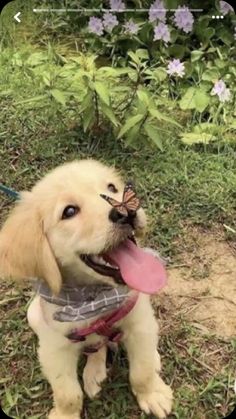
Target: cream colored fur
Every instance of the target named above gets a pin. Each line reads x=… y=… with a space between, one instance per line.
x=36 y=242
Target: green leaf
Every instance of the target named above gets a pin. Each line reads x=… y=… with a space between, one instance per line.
x=197 y=138
x=59 y=96
x=102 y=92
x=206 y=86
x=211 y=74
x=162 y=117
x=46 y=76
x=195 y=98
x=143 y=97
x=221 y=63
x=201 y=100
x=207 y=34
x=141 y=107
x=142 y=53
x=189 y=69
x=32 y=100
x=36 y=58
x=133 y=120
x=160 y=73
x=133 y=134
x=134 y=57
x=107 y=110
x=154 y=134
x=87 y=101
x=110 y=71
x=196 y=55
x=206 y=127
x=203 y=21
x=226 y=36
x=133 y=75
x=177 y=51
x=187 y=101
x=88 y=118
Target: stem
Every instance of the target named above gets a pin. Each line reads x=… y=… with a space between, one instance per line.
x=217 y=113
x=127 y=106
x=144 y=120
x=96 y=107
x=96 y=103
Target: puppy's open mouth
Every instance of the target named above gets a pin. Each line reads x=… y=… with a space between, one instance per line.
x=129 y=264
x=100 y=264
x=104 y=265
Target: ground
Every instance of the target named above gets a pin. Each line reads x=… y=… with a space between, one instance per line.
x=198 y=324
x=203 y=287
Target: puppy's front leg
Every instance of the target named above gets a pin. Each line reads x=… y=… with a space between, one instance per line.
x=140 y=339
x=58 y=358
x=95 y=372
x=59 y=366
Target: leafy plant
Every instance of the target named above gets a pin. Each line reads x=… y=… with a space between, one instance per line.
x=99 y=96
x=137 y=68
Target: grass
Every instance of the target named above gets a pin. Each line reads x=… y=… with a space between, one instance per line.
x=180 y=186
x=199 y=367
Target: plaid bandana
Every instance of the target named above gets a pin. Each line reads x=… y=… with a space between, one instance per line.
x=79 y=303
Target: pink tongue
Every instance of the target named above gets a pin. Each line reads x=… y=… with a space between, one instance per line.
x=139 y=269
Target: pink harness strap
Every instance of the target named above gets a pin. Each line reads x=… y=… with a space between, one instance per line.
x=104 y=325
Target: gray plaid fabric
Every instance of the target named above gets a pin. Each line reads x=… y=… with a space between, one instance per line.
x=79 y=303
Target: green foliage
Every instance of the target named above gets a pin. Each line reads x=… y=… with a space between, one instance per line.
x=194 y=98
x=101 y=96
x=121 y=82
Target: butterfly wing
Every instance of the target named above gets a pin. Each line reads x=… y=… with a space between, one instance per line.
x=130 y=199
x=119 y=206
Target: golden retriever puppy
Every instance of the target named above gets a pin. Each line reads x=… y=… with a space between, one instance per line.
x=62 y=231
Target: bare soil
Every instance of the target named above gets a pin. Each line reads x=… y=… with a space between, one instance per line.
x=202 y=286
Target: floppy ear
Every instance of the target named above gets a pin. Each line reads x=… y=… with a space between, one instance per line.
x=24 y=248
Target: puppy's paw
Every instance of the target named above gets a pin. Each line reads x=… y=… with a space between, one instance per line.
x=56 y=414
x=158 y=401
x=94 y=374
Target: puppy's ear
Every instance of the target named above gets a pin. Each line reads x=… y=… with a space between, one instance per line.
x=25 y=251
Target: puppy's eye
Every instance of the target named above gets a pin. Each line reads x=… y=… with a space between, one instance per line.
x=70 y=211
x=111 y=187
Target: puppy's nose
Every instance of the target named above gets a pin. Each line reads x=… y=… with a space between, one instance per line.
x=116 y=217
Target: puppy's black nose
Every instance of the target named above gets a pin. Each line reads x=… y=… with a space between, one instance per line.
x=116 y=217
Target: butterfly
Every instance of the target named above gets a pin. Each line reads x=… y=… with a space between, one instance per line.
x=130 y=202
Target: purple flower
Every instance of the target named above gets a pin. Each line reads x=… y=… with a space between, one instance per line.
x=219 y=87
x=221 y=91
x=161 y=31
x=157 y=11
x=183 y=19
x=95 y=25
x=225 y=8
x=175 y=68
x=225 y=96
x=109 y=21
x=117 y=5
x=131 y=27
